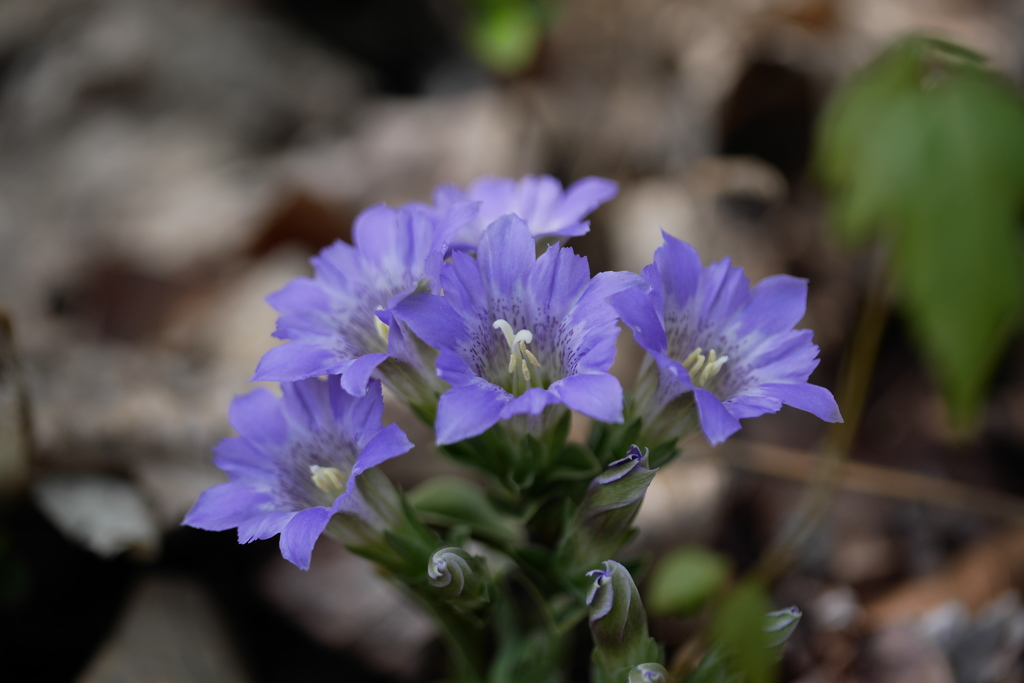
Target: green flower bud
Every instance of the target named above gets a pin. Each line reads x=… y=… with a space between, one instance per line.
x=614 y=496
x=618 y=623
x=779 y=626
x=648 y=673
x=459 y=576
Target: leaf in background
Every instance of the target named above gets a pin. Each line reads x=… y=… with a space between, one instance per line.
x=684 y=580
x=505 y=35
x=449 y=501
x=925 y=148
x=738 y=629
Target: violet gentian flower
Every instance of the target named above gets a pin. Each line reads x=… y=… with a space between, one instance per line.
x=337 y=322
x=714 y=342
x=549 y=210
x=302 y=464
x=518 y=333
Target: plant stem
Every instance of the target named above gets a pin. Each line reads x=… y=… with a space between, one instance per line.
x=852 y=396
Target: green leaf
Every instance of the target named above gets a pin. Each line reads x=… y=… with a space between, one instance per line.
x=505 y=36
x=738 y=629
x=925 y=150
x=685 y=580
x=449 y=501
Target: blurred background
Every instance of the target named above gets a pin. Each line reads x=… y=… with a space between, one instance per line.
x=166 y=164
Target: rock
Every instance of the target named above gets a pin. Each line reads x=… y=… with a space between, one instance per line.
x=170 y=631
x=106 y=515
x=343 y=603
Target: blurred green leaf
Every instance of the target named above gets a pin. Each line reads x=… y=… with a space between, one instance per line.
x=685 y=579
x=449 y=501
x=738 y=630
x=505 y=34
x=925 y=149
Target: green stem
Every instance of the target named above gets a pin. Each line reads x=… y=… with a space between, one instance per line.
x=852 y=396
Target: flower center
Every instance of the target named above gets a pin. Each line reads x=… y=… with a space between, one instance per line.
x=330 y=480
x=520 y=358
x=703 y=368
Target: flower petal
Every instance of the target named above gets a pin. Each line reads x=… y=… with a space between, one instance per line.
x=716 y=422
x=357 y=375
x=432 y=319
x=257 y=417
x=506 y=256
x=595 y=395
x=468 y=411
x=294 y=361
x=775 y=305
x=300 y=534
x=810 y=397
x=386 y=444
x=637 y=312
x=264 y=526
x=225 y=507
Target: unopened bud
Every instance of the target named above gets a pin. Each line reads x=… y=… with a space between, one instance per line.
x=779 y=626
x=459 y=576
x=648 y=673
x=609 y=506
x=618 y=621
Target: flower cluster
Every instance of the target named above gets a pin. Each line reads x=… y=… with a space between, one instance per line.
x=472 y=312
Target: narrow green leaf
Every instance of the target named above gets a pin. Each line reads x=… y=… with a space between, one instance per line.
x=685 y=579
x=738 y=629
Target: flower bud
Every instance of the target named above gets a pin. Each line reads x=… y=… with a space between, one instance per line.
x=779 y=626
x=615 y=495
x=648 y=673
x=459 y=576
x=618 y=622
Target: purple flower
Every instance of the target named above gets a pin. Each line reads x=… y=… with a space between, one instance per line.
x=338 y=321
x=712 y=337
x=549 y=210
x=518 y=333
x=298 y=463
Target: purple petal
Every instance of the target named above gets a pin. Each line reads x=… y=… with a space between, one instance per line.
x=506 y=255
x=531 y=402
x=464 y=286
x=359 y=416
x=432 y=319
x=775 y=305
x=810 y=397
x=744 y=405
x=300 y=296
x=373 y=233
x=306 y=404
x=722 y=289
x=225 y=507
x=263 y=527
x=678 y=269
x=581 y=198
x=637 y=312
x=301 y=533
x=257 y=416
x=357 y=375
x=388 y=442
x=598 y=395
x=468 y=411
x=557 y=280
x=716 y=422
x=293 y=361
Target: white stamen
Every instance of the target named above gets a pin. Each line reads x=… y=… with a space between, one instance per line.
x=330 y=480
x=382 y=328
x=703 y=368
x=519 y=356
